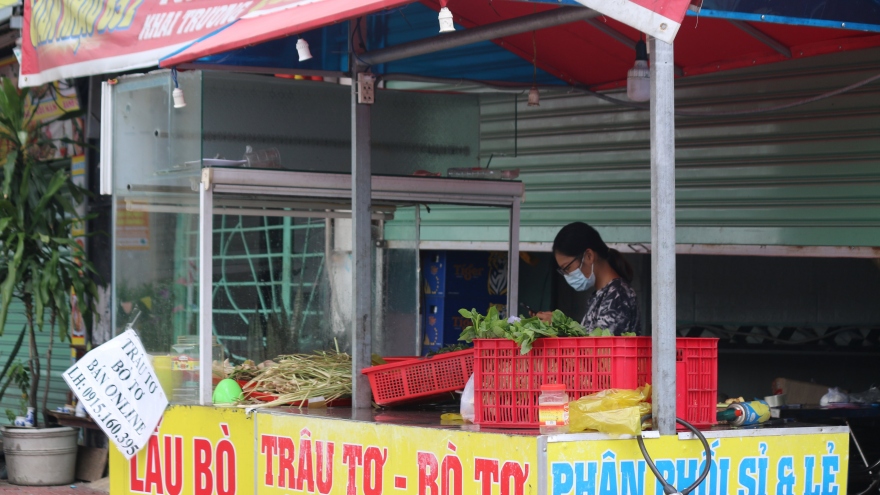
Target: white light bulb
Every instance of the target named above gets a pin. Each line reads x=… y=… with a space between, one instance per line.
x=638 y=82
x=446 y=24
x=302 y=47
x=534 y=97
x=177 y=95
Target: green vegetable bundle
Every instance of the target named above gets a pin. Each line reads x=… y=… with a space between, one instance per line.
x=521 y=330
x=524 y=331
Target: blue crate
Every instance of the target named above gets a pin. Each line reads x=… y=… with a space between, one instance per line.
x=464 y=273
x=443 y=324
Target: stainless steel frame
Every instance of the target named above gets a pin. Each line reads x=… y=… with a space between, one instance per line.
x=206 y=287
x=217 y=182
x=663 y=234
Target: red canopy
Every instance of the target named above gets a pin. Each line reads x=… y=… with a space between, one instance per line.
x=660 y=18
x=596 y=53
x=269 y=24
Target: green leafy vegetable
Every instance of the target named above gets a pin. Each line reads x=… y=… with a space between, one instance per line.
x=523 y=331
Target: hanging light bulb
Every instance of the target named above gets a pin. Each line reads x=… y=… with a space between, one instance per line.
x=534 y=97
x=445 y=17
x=638 y=79
x=302 y=47
x=177 y=93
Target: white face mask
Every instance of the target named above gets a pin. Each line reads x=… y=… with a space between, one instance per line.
x=578 y=281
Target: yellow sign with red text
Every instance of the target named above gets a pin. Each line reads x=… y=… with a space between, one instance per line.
x=194 y=451
x=223 y=451
x=304 y=454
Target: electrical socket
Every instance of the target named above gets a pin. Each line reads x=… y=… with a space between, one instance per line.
x=366 y=88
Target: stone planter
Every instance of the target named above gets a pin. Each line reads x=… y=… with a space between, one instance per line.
x=40 y=456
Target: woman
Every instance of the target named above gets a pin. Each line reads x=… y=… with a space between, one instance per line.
x=586 y=261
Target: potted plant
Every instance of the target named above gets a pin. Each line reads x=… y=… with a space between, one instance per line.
x=40 y=263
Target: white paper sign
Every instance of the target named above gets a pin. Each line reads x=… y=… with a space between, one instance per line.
x=118 y=387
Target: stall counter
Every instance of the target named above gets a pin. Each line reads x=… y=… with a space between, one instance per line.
x=228 y=451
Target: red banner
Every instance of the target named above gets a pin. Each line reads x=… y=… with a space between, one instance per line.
x=74 y=38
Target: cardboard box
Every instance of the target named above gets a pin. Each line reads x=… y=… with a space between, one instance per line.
x=464 y=273
x=799 y=392
x=443 y=323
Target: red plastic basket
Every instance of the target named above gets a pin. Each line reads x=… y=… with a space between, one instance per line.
x=420 y=378
x=398 y=359
x=507 y=384
x=697 y=380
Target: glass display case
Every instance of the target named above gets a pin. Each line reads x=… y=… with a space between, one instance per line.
x=277 y=217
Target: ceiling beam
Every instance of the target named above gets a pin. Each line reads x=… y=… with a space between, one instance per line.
x=762 y=37
x=611 y=32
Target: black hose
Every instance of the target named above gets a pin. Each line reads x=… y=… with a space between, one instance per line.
x=667 y=488
x=871 y=488
x=869 y=468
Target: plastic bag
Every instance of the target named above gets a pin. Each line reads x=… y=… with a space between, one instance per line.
x=615 y=412
x=467 y=401
x=871 y=396
x=833 y=396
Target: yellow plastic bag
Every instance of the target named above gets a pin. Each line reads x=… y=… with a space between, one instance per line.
x=615 y=412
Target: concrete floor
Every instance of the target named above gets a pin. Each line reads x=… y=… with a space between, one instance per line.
x=100 y=487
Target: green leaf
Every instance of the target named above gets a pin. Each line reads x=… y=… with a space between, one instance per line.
x=67 y=116
x=11 y=280
x=55 y=185
x=39 y=302
x=14 y=352
x=9 y=172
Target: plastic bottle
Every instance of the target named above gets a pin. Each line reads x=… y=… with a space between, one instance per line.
x=745 y=414
x=482 y=173
x=553 y=409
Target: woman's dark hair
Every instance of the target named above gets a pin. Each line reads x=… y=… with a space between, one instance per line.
x=575 y=238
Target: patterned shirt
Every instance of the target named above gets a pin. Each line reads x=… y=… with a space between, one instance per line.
x=613 y=307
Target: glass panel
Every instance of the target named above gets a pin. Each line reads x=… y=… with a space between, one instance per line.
x=284 y=286
x=282 y=282
x=271 y=287
x=155 y=224
x=309 y=123
x=156 y=147
x=396 y=319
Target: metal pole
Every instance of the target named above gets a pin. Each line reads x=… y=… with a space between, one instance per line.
x=420 y=323
x=362 y=246
x=206 y=277
x=513 y=260
x=524 y=24
x=663 y=234
x=286 y=264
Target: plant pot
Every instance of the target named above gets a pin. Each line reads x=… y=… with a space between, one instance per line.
x=40 y=456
